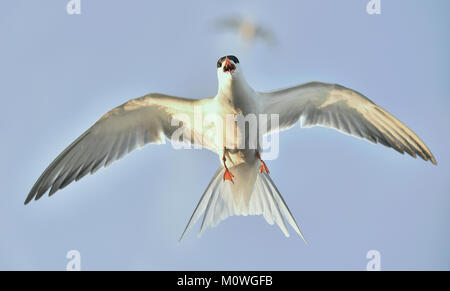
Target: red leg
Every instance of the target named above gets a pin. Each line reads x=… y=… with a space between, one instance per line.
x=227 y=175
x=263 y=167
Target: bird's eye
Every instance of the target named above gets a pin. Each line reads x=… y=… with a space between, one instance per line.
x=220 y=61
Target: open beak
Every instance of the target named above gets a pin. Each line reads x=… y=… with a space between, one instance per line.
x=229 y=66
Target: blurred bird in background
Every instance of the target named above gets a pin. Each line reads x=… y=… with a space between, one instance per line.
x=249 y=31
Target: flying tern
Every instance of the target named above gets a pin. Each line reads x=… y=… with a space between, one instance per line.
x=242 y=184
x=248 y=30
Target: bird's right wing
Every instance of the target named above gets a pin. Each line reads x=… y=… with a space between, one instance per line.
x=148 y=119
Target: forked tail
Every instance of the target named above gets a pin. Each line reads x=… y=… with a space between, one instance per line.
x=220 y=200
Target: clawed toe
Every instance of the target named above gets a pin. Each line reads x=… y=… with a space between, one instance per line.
x=228 y=176
x=264 y=168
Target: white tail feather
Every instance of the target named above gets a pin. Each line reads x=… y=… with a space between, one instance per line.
x=218 y=202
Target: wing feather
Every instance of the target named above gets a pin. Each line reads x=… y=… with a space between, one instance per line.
x=343 y=109
x=133 y=124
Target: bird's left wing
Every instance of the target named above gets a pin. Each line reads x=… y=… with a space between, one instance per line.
x=343 y=109
x=148 y=119
x=228 y=23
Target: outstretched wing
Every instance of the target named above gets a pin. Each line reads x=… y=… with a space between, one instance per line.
x=148 y=119
x=228 y=23
x=334 y=106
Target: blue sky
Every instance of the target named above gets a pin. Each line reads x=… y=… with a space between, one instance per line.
x=59 y=73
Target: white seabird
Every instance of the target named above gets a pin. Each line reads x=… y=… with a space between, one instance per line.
x=241 y=185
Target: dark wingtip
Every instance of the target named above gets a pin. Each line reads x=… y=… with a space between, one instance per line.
x=431 y=158
x=32 y=195
x=29 y=198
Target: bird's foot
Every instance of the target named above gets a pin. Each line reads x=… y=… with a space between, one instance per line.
x=263 y=167
x=228 y=176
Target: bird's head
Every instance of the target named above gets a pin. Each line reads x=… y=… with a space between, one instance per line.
x=227 y=68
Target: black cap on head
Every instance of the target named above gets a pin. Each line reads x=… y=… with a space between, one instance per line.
x=231 y=57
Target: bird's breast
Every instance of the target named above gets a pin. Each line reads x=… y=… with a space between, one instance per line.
x=238 y=113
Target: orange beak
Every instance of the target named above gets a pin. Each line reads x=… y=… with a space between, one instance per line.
x=229 y=66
